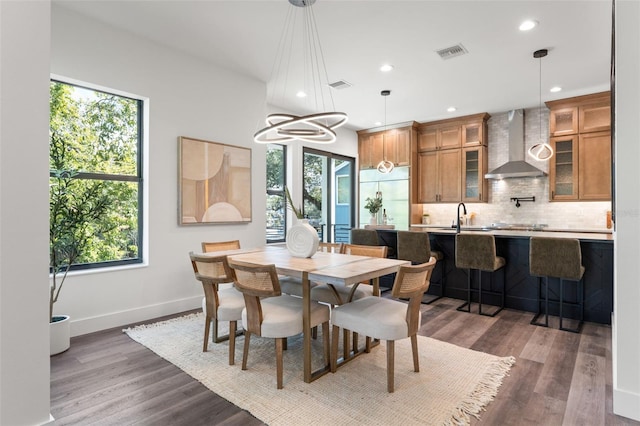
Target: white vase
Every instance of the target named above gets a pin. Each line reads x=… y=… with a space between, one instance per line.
x=59 y=335
x=374 y=219
x=302 y=239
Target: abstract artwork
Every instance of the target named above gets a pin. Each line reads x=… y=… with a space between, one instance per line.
x=214 y=182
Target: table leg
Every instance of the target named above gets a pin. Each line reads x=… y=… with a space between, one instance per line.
x=306 y=325
x=376 y=286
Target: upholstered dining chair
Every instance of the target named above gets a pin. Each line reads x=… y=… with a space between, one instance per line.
x=332 y=295
x=220 y=304
x=386 y=319
x=269 y=313
x=293 y=285
x=209 y=246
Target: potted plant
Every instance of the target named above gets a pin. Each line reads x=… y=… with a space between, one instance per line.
x=75 y=209
x=373 y=205
x=302 y=239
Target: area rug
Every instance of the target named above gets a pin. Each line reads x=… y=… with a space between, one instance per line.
x=453 y=383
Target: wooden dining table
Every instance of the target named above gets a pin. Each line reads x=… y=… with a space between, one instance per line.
x=331 y=268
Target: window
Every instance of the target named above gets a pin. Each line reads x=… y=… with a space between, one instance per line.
x=95 y=162
x=276 y=204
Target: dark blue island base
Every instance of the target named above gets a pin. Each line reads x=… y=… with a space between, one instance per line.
x=521 y=289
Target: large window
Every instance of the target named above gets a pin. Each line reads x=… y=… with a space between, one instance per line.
x=95 y=160
x=276 y=203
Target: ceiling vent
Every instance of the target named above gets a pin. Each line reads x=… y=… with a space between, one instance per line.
x=452 y=52
x=340 y=84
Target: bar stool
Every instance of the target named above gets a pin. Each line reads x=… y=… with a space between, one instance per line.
x=416 y=247
x=478 y=251
x=364 y=237
x=557 y=258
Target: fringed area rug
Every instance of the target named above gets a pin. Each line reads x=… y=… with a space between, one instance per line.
x=453 y=382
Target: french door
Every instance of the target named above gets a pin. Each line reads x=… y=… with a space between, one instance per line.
x=329 y=194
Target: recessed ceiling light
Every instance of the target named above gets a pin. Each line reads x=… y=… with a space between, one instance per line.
x=451 y=109
x=301 y=94
x=555 y=89
x=386 y=68
x=527 y=25
x=377 y=123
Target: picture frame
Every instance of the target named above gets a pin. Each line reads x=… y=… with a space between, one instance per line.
x=214 y=182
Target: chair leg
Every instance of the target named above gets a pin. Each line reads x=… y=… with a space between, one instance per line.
x=325 y=342
x=284 y=343
x=335 y=338
x=580 y=305
x=232 y=341
x=207 y=326
x=430 y=301
x=279 y=344
x=414 y=349
x=355 y=342
x=367 y=347
x=468 y=302
x=245 y=351
x=345 y=343
x=390 y=363
x=214 y=338
x=534 y=320
x=314 y=332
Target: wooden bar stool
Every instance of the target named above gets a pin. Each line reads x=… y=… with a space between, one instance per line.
x=478 y=251
x=416 y=247
x=558 y=258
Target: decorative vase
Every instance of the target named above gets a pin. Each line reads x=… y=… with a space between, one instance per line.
x=59 y=334
x=374 y=219
x=302 y=239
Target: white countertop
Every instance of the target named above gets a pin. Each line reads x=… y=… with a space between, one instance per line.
x=581 y=234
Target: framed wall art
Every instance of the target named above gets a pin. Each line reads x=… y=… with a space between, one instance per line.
x=214 y=182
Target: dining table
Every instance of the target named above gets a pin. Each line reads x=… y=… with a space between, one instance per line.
x=332 y=268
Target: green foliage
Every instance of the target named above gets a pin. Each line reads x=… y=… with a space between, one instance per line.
x=90 y=219
x=296 y=211
x=373 y=204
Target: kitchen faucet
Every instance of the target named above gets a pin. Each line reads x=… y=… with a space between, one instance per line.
x=464 y=209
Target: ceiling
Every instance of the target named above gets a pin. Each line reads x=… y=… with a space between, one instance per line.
x=497 y=74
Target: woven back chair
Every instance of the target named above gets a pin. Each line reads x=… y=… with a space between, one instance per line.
x=209 y=246
x=386 y=319
x=269 y=313
x=219 y=304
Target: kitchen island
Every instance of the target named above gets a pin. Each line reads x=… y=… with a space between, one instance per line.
x=520 y=287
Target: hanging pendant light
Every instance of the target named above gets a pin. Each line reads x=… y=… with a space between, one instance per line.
x=318 y=127
x=541 y=151
x=385 y=166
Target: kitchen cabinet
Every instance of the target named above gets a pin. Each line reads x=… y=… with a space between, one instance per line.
x=439 y=176
x=393 y=145
x=453 y=160
x=474 y=166
x=581 y=138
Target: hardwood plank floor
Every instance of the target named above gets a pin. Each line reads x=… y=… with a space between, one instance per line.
x=559 y=378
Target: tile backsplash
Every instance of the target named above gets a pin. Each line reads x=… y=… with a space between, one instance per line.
x=500 y=208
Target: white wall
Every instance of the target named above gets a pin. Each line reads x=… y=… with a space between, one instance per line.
x=24 y=128
x=626 y=337
x=187 y=97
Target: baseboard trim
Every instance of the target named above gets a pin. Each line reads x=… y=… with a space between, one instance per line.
x=117 y=319
x=626 y=404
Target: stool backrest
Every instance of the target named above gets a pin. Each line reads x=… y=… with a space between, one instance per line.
x=555 y=257
x=364 y=237
x=414 y=246
x=476 y=251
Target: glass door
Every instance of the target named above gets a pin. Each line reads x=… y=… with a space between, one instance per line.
x=328 y=194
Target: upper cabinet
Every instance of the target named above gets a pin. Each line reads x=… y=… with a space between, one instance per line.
x=580 y=130
x=452 y=160
x=392 y=145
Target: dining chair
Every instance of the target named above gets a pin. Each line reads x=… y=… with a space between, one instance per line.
x=209 y=246
x=293 y=285
x=337 y=295
x=220 y=304
x=386 y=319
x=269 y=313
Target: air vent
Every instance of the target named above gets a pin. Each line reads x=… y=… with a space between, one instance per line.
x=452 y=52
x=340 y=84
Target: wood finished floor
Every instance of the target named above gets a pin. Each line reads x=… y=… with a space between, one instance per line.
x=559 y=378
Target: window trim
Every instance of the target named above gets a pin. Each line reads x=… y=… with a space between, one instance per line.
x=141 y=178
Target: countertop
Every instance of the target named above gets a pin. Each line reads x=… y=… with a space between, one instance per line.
x=581 y=234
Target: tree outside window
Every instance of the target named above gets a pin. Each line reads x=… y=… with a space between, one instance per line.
x=95 y=143
x=276 y=203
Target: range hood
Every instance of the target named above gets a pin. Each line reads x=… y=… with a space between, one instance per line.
x=516 y=167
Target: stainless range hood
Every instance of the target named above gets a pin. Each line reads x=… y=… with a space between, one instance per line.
x=516 y=167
